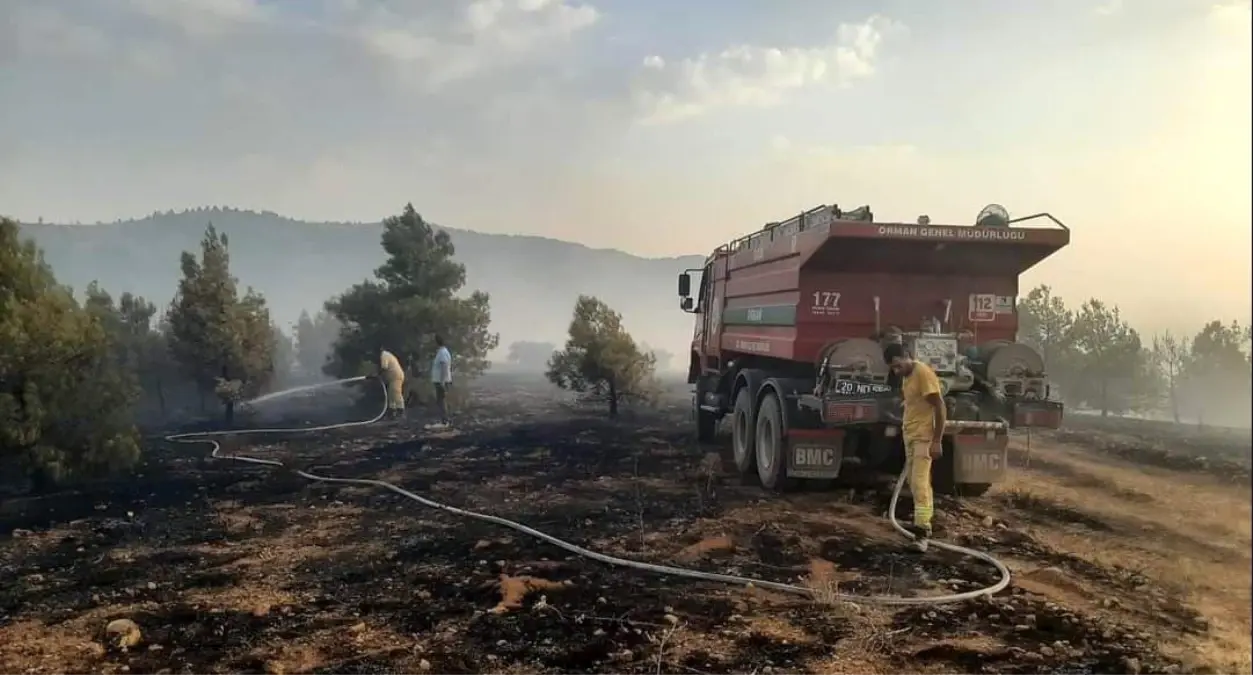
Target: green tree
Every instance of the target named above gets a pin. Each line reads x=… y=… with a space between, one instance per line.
x=138 y=347
x=222 y=341
x=1117 y=372
x=314 y=337
x=1171 y=355
x=65 y=406
x=1218 y=377
x=411 y=300
x=600 y=358
x=1047 y=325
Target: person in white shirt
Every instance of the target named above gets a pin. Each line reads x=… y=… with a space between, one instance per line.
x=441 y=377
x=394 y=375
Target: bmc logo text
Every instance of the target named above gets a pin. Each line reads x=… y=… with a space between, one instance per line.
x=814 y=456
x=982 y=462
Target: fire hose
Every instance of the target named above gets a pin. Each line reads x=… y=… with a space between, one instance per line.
x=813 y=594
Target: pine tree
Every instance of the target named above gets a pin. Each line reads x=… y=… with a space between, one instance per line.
x=138 y=347
x=412 y=298
x=600 y=358
x=1117 y=372
x=223 y=341
x=65 y=406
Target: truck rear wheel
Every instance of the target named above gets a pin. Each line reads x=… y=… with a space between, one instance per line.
x=771 y=446
x=743 y=437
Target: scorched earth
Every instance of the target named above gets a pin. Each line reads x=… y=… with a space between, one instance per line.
x=1130 y=553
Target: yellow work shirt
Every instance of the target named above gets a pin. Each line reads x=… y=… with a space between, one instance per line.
x=919 y=421
x=389 y=365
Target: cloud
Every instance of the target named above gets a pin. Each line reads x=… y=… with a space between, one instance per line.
x=202 y=18
x=32 y=30
x=747 y=75
x=436 y=45
x=1108 y=8
x=427 y=43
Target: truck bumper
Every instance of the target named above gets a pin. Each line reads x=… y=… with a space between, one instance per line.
x=980 y=451
x=1037 y=414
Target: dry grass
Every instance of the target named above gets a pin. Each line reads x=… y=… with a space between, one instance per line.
x=1187 y=532
x=513 y=590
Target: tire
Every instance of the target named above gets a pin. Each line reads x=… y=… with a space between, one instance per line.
x=771 y=451
x=743 y=436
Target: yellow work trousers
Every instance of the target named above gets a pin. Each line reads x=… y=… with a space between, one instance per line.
x=920 y=482
x=395 y=390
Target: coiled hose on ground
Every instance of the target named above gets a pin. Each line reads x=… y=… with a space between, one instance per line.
x=206 y=437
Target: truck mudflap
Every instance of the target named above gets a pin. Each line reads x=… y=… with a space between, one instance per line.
x=1037 y=414
x=814 y=453
x=980 y=450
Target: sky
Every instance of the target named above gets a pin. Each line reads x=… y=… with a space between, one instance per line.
x=659 y=128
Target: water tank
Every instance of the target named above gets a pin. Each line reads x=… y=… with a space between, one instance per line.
x=1002 y=359
x=858 y=355
x=993 y=215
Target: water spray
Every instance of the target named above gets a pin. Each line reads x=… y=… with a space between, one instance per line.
x=821 y=595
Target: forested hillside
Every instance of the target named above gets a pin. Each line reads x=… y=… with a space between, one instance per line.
x=533 y=281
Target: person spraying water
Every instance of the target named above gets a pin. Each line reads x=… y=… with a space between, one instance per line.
x=393 y=376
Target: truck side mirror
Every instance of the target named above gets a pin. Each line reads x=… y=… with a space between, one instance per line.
x=685 y=285
x=687 y=304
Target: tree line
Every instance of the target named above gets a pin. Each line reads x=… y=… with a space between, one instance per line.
x=1097 y=360
x=78 y=379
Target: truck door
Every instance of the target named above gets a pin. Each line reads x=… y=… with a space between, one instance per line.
x=711 y=322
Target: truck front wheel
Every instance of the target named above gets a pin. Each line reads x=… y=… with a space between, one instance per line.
x=743 y=446
x=771 y=444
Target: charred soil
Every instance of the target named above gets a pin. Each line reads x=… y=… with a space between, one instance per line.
x=214 y=566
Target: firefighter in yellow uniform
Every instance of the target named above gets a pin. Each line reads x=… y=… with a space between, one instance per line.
x=394 y=376
x=922 y=429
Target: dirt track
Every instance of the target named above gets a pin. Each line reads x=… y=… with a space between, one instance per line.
x=1118 y=567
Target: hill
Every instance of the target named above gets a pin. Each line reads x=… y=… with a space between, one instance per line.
x=533 y=281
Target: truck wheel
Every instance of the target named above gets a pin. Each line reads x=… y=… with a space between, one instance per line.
x=771 y=444
x=743 y=446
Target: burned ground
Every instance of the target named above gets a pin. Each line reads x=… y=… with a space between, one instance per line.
x=1120 y=565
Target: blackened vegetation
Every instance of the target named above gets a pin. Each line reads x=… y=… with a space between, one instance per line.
x=154 y=546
